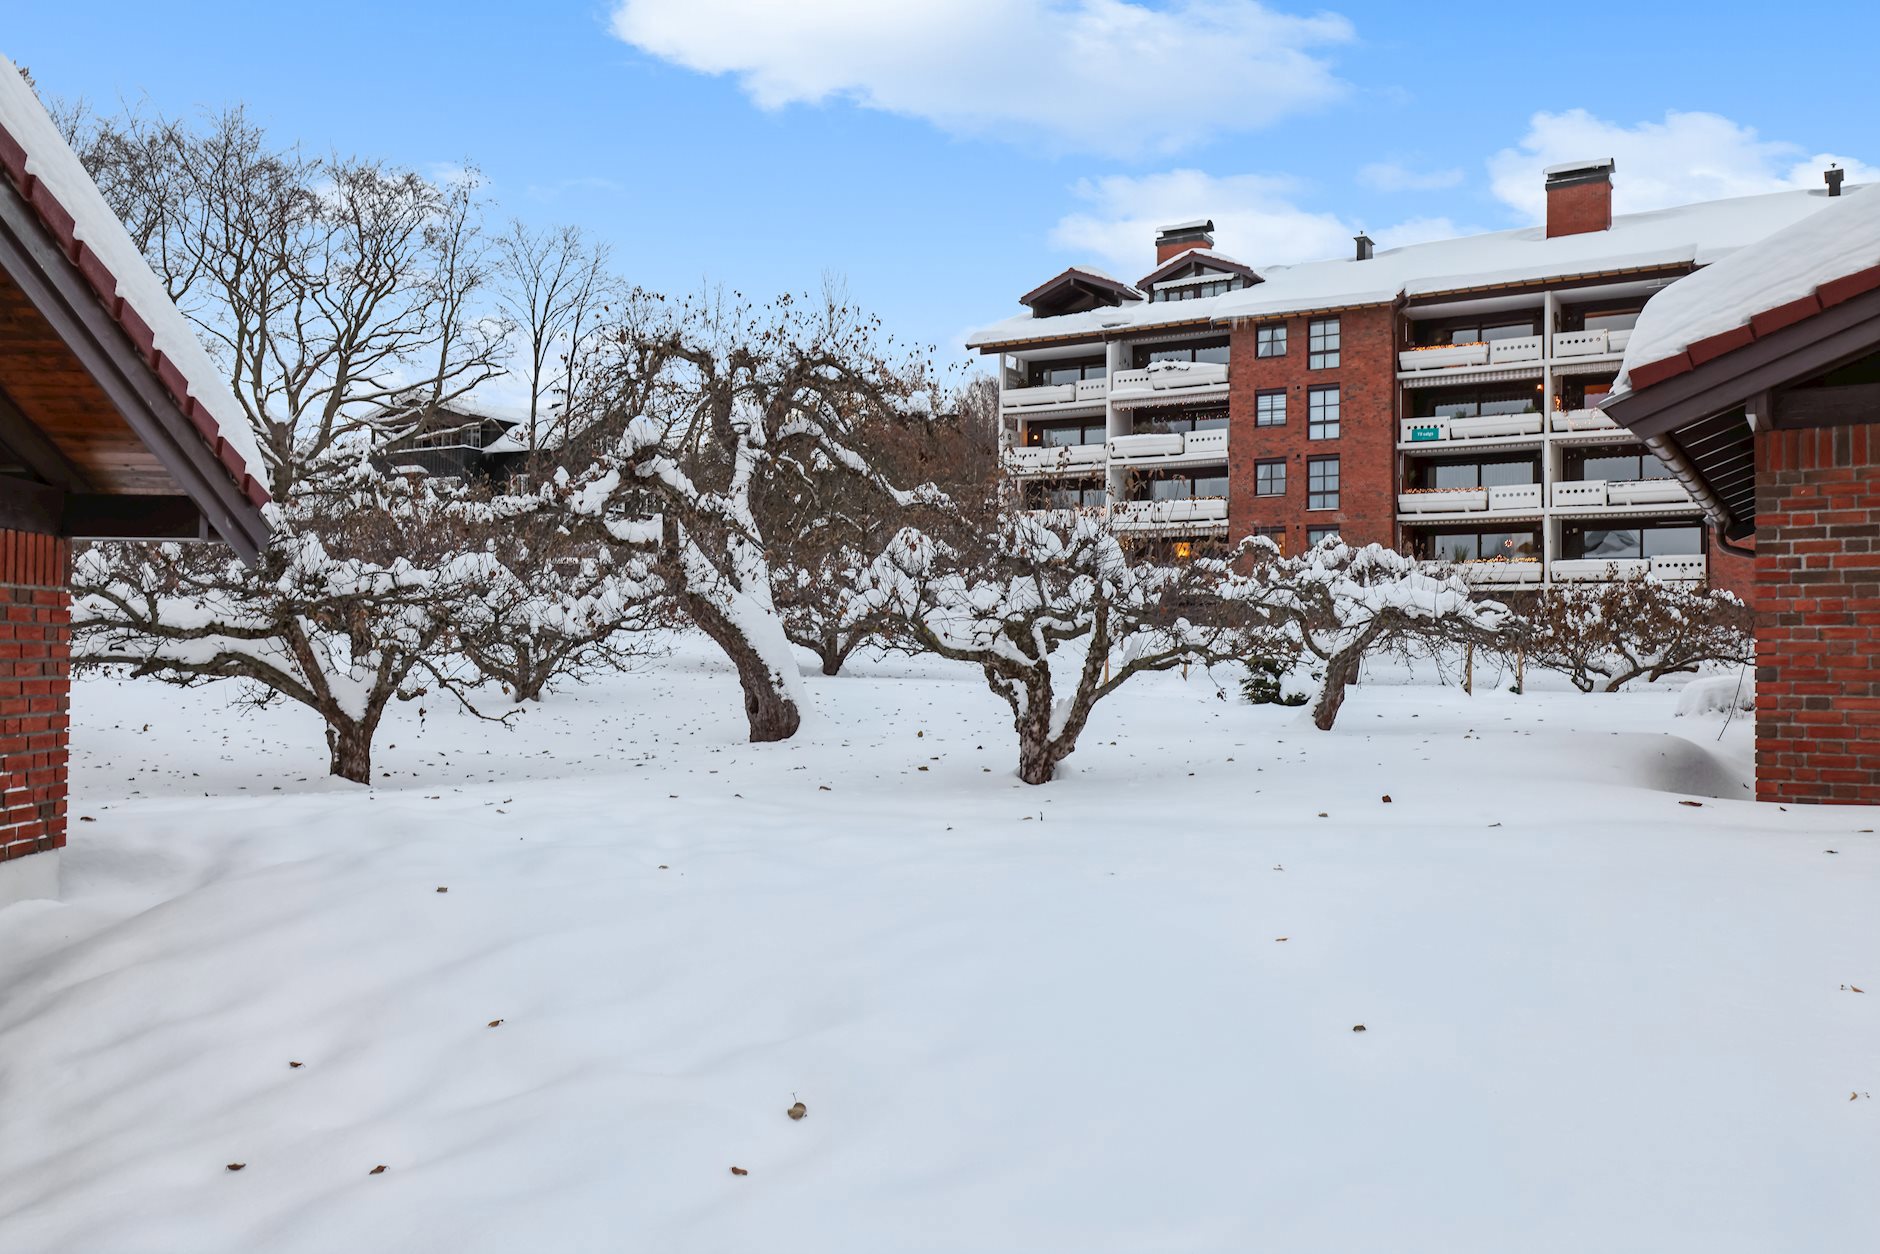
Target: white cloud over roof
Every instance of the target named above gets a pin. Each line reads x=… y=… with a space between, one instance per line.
x=1113 y=76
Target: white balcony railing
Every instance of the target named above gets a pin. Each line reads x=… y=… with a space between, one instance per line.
x=1579 y=493
x=1481 y=426
x=1499 y=573
x=1583 y=420
x=1209 y=511
x=1680 y=567
x=1153 y=444
x=1165 y=377
x=1044 y=459
x=1506 y=497
x=1647 y=492
x=1182 y=447
x=1443 y=501
x=1084 y=392
x=1590 y=343
x=1599 y=569
x=1514 y=351
x=1443 y=357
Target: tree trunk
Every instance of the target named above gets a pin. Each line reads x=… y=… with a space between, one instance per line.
x=1038 y=751
x=768 y=706
x=350 y=744
x=1340 y=671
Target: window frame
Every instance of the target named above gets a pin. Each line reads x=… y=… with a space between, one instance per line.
x=1315 y=469
x=1269 y=464
x=1269 y=339
x=1260 y=409
x=1324 y=343
x=1314 y=422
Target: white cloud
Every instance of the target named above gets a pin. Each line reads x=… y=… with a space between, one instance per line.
x=1391 y=176
x=1256 y=219
x=1686 y=158
x=1113 y=76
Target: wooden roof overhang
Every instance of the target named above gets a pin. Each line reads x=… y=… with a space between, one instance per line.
x=1801 y=365
x=94 y=443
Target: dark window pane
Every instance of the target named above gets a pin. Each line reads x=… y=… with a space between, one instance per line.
x=1668 y=541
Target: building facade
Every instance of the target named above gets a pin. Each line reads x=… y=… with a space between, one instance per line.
x=1440 y=398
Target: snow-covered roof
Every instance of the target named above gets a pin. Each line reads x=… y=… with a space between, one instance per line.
x=52 y=179
x=1790 y=265
x=1698 y=234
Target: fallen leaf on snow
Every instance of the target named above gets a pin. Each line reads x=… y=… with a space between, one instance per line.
x=739 y=1171
x=496 y=1023
x=296 y=1064
x=236 y=1166
x=1690 y=803
x=377 y=1171
x=1357 y=1027
x=797 y=1111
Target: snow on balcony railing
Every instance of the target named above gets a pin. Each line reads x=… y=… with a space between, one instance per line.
x=1163 y=377
x=1512 y=351
x=1582 y=420
x=1579 y=493
x=1500 y=571
x=1598 y=569
x=1085 y=392
x=1443 y=357
x=1198 y=510
x=1442 y=500
x=1647 y=492
x=1193 y=446
x=1045 y=459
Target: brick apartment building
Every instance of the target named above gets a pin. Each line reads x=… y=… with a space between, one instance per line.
x=113 y=425
x=1440 y=398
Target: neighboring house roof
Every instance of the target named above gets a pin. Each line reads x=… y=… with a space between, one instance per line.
x=1821 y=261
x=1636 y=242
x=1752 y=343
x=1079 y=284
x=94 y=247
x=1205 y=257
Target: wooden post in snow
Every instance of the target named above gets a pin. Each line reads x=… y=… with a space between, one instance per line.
x=1468 y=669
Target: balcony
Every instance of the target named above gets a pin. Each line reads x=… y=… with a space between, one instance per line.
x=1599 y=493
x=1088 y=392
x=1208 y=513
x=1169 y=448
x=1569 y=344
x=1670 y=568
x=1501 y=573
x=1514 y=352
x=1055 y=459
x=1443 y=357
x=1569 y=420
x=1169 y=380
x=1470 y=427
x=1506 y=498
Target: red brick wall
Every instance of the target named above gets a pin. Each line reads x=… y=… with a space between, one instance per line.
x=1365 y=448
x=1818 y=621
x=1732 y=572
x=35 y=684
x=1579 y=207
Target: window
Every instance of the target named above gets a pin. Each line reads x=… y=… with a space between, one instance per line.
x=1059 y=434
x=1040 y=374
x=1612 y=544
x=1468 y=402
x=1178 y=485
x=1597 y=464
x=1276 y=534
x=1473 y=546
x=1322 y=338
x=1321 y=483
x=1269 y=409
x=1495 y=474
x=1316 y=536
x=1212 y=350
x=1430 y=334
x=1270 y=341
x=1322 y=414
x=1269 y=478
x=1183 y=421
x=1053 y=496
x=1189 y=289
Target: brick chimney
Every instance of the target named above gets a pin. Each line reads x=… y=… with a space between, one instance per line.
x=1579 y=197
x=1173 y=241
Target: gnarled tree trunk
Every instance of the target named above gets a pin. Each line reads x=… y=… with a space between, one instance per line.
x=769 y=706
x=349 y=742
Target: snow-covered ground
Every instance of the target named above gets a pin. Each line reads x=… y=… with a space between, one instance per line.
x=1112 y=1014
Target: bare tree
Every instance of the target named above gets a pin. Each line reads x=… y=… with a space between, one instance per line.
x=353 y=604
x=1605 y=635
x=336 y=291
x=1345 y=603
x=1027 y=600
x=555 y=287
x=716 y=404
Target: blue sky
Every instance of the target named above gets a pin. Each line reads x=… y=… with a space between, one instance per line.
x=944 y=157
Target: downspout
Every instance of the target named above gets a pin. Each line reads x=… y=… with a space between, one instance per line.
x=1718 y=517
